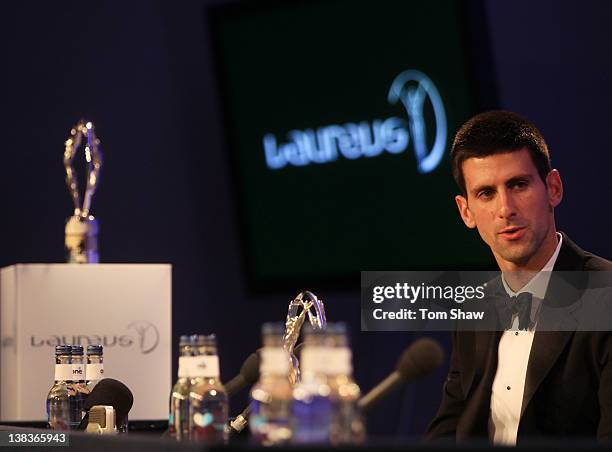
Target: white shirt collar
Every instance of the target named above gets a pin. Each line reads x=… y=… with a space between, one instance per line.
x=551 y=262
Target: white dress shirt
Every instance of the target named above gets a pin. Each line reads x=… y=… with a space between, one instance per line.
x=513 y=358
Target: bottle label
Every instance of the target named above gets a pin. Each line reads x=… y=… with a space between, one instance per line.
x=206 y=366
x=94 y=371
x=78 y=372
x=339 y=362
x=315 y=360
x=63 y=372
x=274 y=360
x=183 y=369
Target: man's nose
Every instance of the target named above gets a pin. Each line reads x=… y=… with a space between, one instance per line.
x=506 y=207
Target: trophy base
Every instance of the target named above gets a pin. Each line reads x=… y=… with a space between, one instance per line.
x=82 y=240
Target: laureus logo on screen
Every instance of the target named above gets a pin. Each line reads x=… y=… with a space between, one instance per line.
x=372 y=138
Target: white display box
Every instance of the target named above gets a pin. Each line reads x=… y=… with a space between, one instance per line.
x=125 y=307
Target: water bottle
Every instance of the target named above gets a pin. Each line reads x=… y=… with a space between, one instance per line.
x=78 y=383
x=94 y=371
x=61 y=394
x=312 y=408
x=272 y=394
x=347 y=425
x=208 y=401
x=178 y=420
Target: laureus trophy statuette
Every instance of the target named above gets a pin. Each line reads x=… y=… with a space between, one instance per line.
x=305 y=304
x=82 y=228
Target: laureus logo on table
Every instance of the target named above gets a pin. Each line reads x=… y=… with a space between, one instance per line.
x=372 y=138
x=141 y=334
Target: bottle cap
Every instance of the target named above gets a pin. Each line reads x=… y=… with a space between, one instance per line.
x=76 y=350
x=338 y=328
x=339 y=333
x=201 y=339
x=63 y=349
x=273 y=328
x=94 y=349
x=310 y=330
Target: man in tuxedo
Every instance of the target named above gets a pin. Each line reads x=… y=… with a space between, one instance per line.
x=508 y=385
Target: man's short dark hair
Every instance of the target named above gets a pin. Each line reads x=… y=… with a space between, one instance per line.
x=497 y=132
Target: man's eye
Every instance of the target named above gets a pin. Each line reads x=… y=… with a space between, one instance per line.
x=485 y=194
x=520 y=184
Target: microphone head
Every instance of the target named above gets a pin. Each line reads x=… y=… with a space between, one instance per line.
x=249 y=372
x=114 y=393
x=250 y=368
x=421 y=358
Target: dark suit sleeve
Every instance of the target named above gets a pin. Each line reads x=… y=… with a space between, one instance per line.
x=444 y=423
x=604 y=430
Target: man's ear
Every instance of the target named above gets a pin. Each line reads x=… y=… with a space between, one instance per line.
x=554 y=186
x=464 y=211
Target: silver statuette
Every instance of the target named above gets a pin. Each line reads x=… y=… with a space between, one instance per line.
x=305 y=304
x=82 y=228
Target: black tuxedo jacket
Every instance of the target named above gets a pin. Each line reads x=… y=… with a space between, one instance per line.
x=568 y=386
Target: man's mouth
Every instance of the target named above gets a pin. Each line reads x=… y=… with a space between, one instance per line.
x=512 y=232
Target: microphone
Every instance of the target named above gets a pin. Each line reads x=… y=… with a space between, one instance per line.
x=248 y=375
x=241 y=421
x=112 y=393
x=102 y=420
x=418 y=360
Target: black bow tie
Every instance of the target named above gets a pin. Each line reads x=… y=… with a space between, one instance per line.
x=520 y=305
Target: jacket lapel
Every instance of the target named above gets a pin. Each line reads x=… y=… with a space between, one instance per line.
x=554 y=332
x=546 y=348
